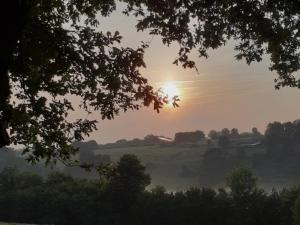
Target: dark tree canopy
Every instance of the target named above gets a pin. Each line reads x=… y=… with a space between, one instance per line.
x=52 y=50
x=241 y=182
x=282 y=138
x=60 y=199
x=58 y=54
x=259 y=26
x=186 y=137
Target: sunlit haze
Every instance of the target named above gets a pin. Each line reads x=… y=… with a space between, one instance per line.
x=224 y=93
x=170 y=91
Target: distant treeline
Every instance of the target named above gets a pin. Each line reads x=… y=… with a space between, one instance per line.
x=274 y=156
x=122 y=199
x=276 y=132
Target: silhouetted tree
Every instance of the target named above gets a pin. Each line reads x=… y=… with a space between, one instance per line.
x=62 y=200
x=241 y=182
x=255 y=132
x=129 y=182
x=282 y=139
x=53 y=49
x=213 y=134
x=234 y=133
x=275 y=138
x=259 y=27
x=225 y=132
x=186 y=137
x=248 y=200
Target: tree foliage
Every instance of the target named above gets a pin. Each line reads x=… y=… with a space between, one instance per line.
x=52 y=51
x=60 y=53
x=259 y=27
x=61 y=199
x=282 y=138
x=241 y=182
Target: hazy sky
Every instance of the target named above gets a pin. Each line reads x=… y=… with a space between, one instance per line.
x=225 y=93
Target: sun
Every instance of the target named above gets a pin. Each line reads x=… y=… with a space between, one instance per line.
x=170 y=90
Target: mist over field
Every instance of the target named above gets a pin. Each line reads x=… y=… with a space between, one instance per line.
x=193 y=159
x=233 y=173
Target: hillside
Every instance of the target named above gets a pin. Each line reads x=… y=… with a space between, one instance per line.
x=165 y=163
x=193 y=158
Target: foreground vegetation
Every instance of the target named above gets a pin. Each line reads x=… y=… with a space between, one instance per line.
x=122 y=198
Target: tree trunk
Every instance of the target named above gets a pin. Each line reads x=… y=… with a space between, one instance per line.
x=12 y=18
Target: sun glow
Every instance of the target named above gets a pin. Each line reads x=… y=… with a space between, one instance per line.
x=170 y=90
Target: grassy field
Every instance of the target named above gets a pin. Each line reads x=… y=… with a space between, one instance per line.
x=164 y=163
